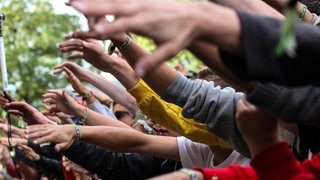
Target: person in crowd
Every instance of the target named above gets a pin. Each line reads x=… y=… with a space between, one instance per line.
x=158 y=111
x=122 y=50
x=105 y=163
x=123 y=114
x=87 y=96
x=236 y=37
x=125 y=143
x=272 y=158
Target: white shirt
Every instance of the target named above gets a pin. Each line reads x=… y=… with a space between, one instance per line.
x=197 y=154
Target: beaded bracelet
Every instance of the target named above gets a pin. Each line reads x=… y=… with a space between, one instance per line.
x=84 y=116
x=78 y=132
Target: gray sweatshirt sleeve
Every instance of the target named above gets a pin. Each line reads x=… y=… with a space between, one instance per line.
x=209 y=104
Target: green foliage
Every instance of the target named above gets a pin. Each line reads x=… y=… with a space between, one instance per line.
x=184 y=58
x=31 y=33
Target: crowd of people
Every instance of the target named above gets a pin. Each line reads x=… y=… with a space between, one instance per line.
x=252 y=113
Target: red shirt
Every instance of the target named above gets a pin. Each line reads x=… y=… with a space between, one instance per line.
x=276 y=162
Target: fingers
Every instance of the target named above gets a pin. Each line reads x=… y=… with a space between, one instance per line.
x=103 y=7
x=58 y=92
x=40 y=134
x=119 y=25
x=50 y=95
x=69 y=72
x=67 y=64
x=49 y=100
x=34 y=128
x=84 y=35
x=59 y=68
x=76 y=56
x=15 y=112
x=70 y=43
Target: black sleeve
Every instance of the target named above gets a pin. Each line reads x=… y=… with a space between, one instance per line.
x=52 y=168
x=259 y=38
x=111 y=165
x=292 y=104
x=46 y=150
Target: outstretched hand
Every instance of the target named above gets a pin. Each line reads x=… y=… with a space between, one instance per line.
x=76 y=83
x=30 y=114
x=60 y=101
x=5 y=97
x=62 y=135
x=77 y=70
x=170 y=24
x=90 y=50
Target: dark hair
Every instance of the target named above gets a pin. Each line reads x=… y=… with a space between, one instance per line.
x=313 y=5
x=121 y=114
x=209 y=75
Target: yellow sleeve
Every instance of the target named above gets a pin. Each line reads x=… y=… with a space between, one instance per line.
x=170 y=116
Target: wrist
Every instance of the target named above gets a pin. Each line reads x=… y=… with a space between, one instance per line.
x=86 y=94
x=77 y=132
x=119 y=40
x=119 y=45
x=79 y=111
x=189 y=174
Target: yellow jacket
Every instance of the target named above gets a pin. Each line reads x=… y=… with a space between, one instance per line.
x=169 y=115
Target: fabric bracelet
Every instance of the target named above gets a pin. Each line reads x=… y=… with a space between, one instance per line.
x=192 y=174
x=84 y=116
x=303 y=12
x=78 y=132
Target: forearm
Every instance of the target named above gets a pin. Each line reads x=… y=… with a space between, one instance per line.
x=129 y=140
x=112 y=138
x=209 y=54
x=159 y=78
x=94 y=118
x=115 y=92
x=170 y=116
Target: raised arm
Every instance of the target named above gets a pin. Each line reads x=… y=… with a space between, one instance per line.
x=233 y=31
x=87 y=95
x=166 y=114
x=112 y=138
x=61 y=101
